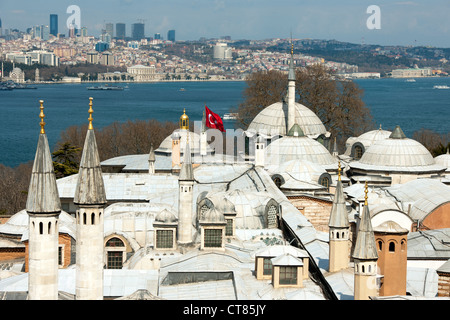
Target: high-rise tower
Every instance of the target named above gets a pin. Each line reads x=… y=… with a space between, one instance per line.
x=43 y=208
x=54 y=24
x=90 y=197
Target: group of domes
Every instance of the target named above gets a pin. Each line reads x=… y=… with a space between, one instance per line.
x=290 y=133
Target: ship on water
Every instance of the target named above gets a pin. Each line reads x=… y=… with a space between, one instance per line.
x=106 y=87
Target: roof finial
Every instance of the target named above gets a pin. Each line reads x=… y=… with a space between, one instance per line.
x=42 y=116
x=91 y=111
x=339 y=171
x=366 y=191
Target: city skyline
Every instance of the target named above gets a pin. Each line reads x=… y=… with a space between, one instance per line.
x=402 y=23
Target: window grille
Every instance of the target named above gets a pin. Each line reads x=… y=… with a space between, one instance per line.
x=213 y=238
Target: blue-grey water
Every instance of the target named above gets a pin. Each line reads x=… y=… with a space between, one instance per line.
x=412 y=105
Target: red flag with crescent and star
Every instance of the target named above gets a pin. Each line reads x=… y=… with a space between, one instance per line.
x=213 y=120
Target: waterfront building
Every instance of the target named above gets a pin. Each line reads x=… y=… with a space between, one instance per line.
x=142 y=73
x=412 y=73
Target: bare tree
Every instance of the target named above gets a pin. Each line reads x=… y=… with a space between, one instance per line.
x=338 y=103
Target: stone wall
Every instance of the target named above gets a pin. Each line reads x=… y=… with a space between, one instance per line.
x=317 y=211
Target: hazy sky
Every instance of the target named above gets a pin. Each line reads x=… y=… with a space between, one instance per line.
x=416 y=22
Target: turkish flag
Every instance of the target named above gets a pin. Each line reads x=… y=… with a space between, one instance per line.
x=213 y=120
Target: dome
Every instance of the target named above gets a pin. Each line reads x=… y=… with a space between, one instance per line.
x=273 y=119
x=194 y=142
x=184 y=121
x=213 y=216
x=444 y=160
x=302 y=170
x=397 y=153
x=366 y=140
x=299 y=148
x=165 y=216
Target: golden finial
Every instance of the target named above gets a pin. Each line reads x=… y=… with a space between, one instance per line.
x=91 y=111
x=339 y=171
x=184 y=121
x=42 y=116
x=366 y=191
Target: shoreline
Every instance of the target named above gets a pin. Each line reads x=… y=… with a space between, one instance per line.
x=209 y=80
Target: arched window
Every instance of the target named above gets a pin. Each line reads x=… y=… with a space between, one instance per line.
x=93 y=218
x=84 y=218
x=358 y=152
x=49 y=228
x=380 y=245
x=115 y=242
x=272 y=217
x=277 y=182
x=391 y=246
x=403 y=245
x=41 y=228
x=325 y=182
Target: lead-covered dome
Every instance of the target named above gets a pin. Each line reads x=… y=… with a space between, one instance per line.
x=397 y=154
x=356 y=146
x=297 y=146
x=272 y=121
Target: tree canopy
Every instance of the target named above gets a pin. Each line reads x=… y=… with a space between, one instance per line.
x=337 y=102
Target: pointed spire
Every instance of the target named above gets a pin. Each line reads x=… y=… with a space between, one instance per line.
x=397 y=133
x=43 y=196
x=90 y=189
x=186 y=172
x=339 y=215
x=91 y=111
x=291 y=76
x=365 y=247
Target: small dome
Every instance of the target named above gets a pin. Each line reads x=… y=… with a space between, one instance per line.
x=299 y=148
x=184 y=121
x=390 y=227
x=272 y=121
x=181 y=134
x=166 y=216
x=397 y=153
x=225 y=206
x=302 y=170
x=213 y=216
x=366 y=139
x=444 y=160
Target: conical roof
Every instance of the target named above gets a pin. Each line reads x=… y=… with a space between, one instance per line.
x=43 y=196
x=90 y=189
x=151 y=156
x=187 y=171
x=365 y=247
x=397 y=133
x=339 y=215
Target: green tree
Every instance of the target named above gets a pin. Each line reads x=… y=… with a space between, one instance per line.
x=64 y=160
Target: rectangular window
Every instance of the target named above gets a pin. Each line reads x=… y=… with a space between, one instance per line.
x=229 y=227
x=115 y=259
x=267 y=269
x=213 y=238
x=164 y=239
x=288 y=275
x=60 y=256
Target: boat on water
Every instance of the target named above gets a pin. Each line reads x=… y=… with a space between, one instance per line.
x=182 y=89
x=441 y=87
x=410 y=80
x=11 y=85
x=107 y=87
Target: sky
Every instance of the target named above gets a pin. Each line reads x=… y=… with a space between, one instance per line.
x=417 y=22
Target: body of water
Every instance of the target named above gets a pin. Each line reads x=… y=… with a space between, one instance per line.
x=412 y=105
